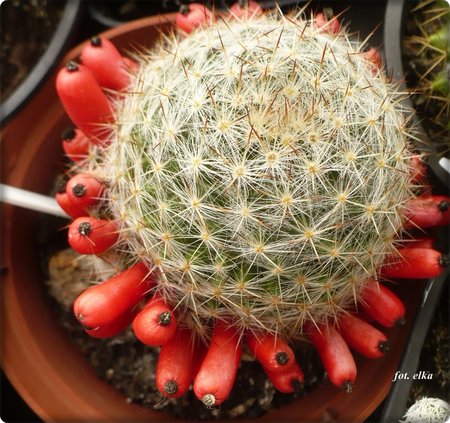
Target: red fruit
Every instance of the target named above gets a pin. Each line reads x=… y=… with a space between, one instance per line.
x=418 y=171
x=83 y=190
x=245 y=9
x=271 y=351
x=362 y=336
x=331 y=26
x=217 y=374
x=88 y=235
x=382 y=305
x=335 y=355
x=72 y=210
x=112 y=329
x=415 y=262
x=85 y=102
x=288 y=380
x=106 y=63
x=155 y=324
x=425 y=212
x=374 y=57
x=75 y=144
x=192 y=16
x=175 y=368
x=103 y=305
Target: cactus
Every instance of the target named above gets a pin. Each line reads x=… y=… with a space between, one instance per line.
x=427 y=410
x=259 y=168
x=251 y=163
x=427 y=49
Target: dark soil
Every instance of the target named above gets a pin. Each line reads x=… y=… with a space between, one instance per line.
x=27 y=28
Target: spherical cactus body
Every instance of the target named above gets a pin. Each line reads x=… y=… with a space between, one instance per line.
x=259 y=167
x=262 y=170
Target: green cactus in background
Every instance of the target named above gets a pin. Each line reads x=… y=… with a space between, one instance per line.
x=427 y=49
x=260 y=166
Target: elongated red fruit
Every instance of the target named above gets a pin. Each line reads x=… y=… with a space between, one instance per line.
x=245 y=9
x=335 y=356
x=175 y=368
x=88 y=235
x=418 y=171
x=192 y=16
x=103 y=304
x=331 y=26
x=103 y=59
x=425 y=212
x=362 y=336
x=288 y=380
x=75 y=144
x=414 y=262
x=84 y=190
x=271 y=351
x=373 y=56
x=382 y=305
x=72 y=210
x=217 y=374
x=112 y=329
x=155 y=324
x=84 y=102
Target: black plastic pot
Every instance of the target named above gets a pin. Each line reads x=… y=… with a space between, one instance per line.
x=46 y=64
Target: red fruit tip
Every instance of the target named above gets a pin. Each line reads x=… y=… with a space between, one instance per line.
x=84 y=228
x=281 y=358
x=79 y=190
x=384 y=346
x=68 y=134
x=96 y=41
x=443 y=206
x=444 y=260
x=209 y=400
x=165 y=318
x=348 y=386
x=72 y=66
x=184 y=9
x=170 y=387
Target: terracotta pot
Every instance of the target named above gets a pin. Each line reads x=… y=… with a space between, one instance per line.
x=38 y=358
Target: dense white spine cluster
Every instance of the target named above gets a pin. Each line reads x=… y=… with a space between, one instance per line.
x=428 y=410
x=260 y=166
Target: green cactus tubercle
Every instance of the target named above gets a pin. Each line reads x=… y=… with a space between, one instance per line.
x=259 y=166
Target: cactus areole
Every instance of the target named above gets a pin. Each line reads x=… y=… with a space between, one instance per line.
x=258 y=167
